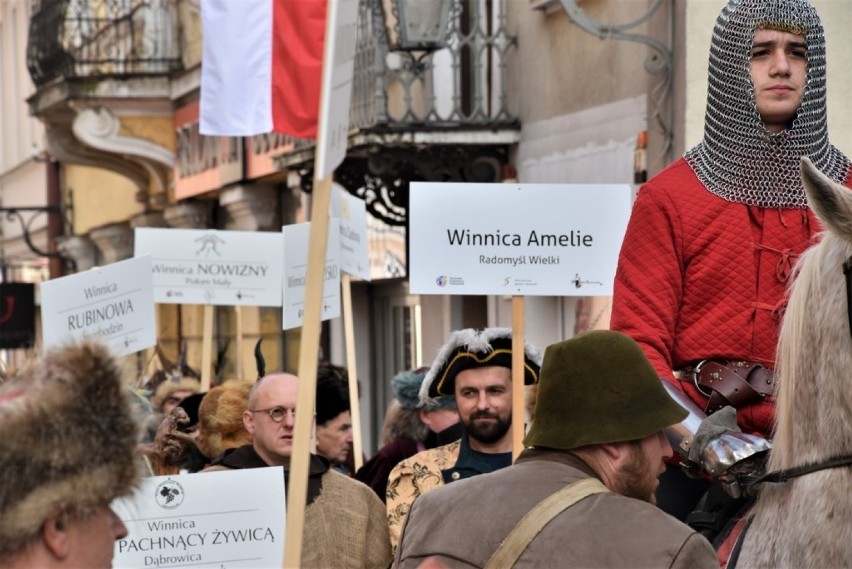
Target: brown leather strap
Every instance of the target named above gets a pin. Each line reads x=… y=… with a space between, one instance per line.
x=731 y=382
x=534 y=521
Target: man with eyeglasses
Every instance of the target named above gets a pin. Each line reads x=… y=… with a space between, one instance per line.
x=345 y=522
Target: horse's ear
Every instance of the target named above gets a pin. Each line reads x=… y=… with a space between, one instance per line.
x=831 y=202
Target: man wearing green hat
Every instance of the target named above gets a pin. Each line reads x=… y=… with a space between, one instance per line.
x=582 y=493
x=476 y=367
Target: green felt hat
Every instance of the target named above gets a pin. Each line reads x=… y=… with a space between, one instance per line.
x=596 y=388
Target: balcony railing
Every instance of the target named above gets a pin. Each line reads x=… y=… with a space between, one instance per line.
x=462 y=85
x=102 y=38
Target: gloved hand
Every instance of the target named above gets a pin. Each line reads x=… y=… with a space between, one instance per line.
x=172 y=444
x=722 y=421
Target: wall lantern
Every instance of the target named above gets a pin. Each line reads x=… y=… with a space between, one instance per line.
x=417 y=25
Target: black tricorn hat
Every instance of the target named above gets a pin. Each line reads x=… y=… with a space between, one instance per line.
x=470 y=348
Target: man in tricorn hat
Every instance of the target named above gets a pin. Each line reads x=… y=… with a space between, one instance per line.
x=585 y=488
x=476 y=367
x=67 y=449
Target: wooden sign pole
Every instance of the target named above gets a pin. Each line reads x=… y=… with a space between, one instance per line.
x=517 y=375
x=354 y=404
x=297 y=491
x=206 y=347
x=238 y=312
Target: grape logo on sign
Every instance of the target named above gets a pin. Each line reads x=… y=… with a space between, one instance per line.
x=209 y=244
x=169 y=494
x=441 y=280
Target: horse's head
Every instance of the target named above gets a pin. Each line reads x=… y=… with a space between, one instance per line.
x=814 y=406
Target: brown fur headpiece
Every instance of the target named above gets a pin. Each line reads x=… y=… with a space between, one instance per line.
x=67 y=440
x=172 y=385
x=220 y=418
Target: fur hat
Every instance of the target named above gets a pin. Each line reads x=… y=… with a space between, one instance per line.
x=220 y=418
x=172 y=385
x=69 y=440
x=468 y=349
x=406 y=387
x=596 y=388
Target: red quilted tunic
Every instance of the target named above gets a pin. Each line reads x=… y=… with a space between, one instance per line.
x=701 y=278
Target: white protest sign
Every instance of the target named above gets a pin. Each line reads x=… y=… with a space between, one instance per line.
x=352 y=212
x=229 y=518
x=112 y=304
x=206 y=266
x=295 y=268
x=337 y=72
x=516 y=239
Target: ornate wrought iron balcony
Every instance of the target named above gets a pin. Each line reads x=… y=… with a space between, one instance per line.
x=102 y=38
x=441 y=117
x=463 y=85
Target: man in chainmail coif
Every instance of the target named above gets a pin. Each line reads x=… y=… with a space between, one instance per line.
x=713 y=238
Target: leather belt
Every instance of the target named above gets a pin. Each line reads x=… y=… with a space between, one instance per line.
x=730 y=382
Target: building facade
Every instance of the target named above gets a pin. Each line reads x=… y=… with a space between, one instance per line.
x=104 y=93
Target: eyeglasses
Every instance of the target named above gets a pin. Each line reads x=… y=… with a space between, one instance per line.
x=277 y=414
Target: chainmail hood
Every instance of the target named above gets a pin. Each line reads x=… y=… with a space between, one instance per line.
x=739 y=160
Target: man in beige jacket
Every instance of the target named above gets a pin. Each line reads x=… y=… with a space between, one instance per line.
x=599 y=421
x=344 y=520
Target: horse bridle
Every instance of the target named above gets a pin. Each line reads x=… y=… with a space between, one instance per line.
x=796 y=471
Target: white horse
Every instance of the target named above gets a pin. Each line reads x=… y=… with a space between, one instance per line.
x=807 y=520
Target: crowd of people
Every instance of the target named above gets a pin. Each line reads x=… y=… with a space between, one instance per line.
x=464 y=398
x=699 y=294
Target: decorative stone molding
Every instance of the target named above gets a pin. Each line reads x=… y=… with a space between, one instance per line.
x=252 y=207
x=81 y=249
x=62 y=145
x=99 y=128
x=190 y=215
x=114 y=241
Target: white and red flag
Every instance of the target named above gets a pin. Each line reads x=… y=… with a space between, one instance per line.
x=261 y=69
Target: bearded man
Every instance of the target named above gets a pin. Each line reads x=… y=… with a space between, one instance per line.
x=583 y=494
x=476 y=367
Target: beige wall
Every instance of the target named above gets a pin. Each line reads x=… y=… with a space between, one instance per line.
x=836 y=16
x=558 y=68
x=100 y=196
x=22 y=179
x=20 y=131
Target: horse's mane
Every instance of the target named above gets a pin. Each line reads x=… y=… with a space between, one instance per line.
x=812 y=298
x=804 y=522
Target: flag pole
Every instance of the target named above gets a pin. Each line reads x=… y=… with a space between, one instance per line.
x=331 y=144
